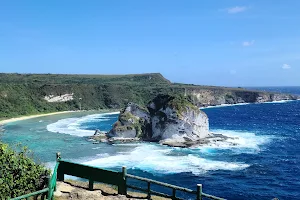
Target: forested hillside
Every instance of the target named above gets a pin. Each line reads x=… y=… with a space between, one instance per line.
x=24 y=94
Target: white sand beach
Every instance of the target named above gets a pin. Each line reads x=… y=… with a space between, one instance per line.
x=5 y=121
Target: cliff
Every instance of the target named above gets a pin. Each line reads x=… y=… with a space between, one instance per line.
x=217 y=95
x=172 y=120
x=176 y=118
x=24 y=94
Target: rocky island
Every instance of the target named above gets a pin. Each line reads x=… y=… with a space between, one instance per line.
x=167 y=119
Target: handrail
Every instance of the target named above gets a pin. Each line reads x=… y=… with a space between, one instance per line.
x=84 y=165
x=212 y=197
x=161 y=183
x=174 y=187
x=119 y=179
x=31 y=194
x=52 y=182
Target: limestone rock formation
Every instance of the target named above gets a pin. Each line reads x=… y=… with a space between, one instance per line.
x=133 y=122
x=167 y=119
x=176 y=119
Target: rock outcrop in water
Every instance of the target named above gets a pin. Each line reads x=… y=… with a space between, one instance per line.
x=171 y=120
x=134 y=122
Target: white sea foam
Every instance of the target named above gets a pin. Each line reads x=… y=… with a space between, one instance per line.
x=239 y=142
x=71 y=126
x=162 y=159
x=68 y=126
x=281 y=101
x=241 y=104
x=225 y=105
x=159 y=159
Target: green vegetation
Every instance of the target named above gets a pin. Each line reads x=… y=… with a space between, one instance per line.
x=19 y=174
x=138 y=127
x=127 y=121
x=127 y=116
x=24 y=94
x=182 y=103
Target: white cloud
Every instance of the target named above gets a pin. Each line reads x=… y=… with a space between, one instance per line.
x=232 y=72
x=286 y=66
x=248 y=43
x=236 y=9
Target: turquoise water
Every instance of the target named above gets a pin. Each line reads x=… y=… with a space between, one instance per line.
x=264 y=163
x=34 y=134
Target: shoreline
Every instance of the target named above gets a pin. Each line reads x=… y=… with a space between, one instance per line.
x=14 y=119
x=242 y=104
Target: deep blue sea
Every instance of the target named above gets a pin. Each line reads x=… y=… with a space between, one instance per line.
x=264 y=162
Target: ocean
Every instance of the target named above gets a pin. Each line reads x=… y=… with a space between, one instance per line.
x=264 y=162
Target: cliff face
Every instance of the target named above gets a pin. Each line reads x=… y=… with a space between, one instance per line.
x=134 y=122
x=175 y=118
x=168 y=119
x=217 y=96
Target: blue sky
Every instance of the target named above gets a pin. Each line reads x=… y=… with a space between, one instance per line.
x=209 y=42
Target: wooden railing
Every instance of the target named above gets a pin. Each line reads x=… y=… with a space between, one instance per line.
x=46 y=192
x=33 y=194
x=92 y=174
x=119 y=179
x=198 y=193
x=52 y=182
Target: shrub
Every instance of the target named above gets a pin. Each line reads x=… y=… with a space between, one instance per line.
x=19 y=174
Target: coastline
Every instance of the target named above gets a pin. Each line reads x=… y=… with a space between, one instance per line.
x=242 y=104
x=14 y=119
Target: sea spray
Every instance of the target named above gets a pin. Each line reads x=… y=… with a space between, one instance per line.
x=156 y=158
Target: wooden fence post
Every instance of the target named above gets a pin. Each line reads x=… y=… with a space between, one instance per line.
x=122 y=188
x=49 y=186
x=58 y=156
x=199 y=191
x=148 y=191
x=91 y=185
x=60 y=173
x=174 y=194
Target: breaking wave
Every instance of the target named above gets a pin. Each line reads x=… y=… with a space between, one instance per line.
x=242 y=104
x=224 y=105
x=71 y=126
x=156 y=158
x=247 y=142
x=165 y=160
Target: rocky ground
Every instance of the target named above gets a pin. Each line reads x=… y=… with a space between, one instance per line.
x=77 y=190
x=211 y=139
